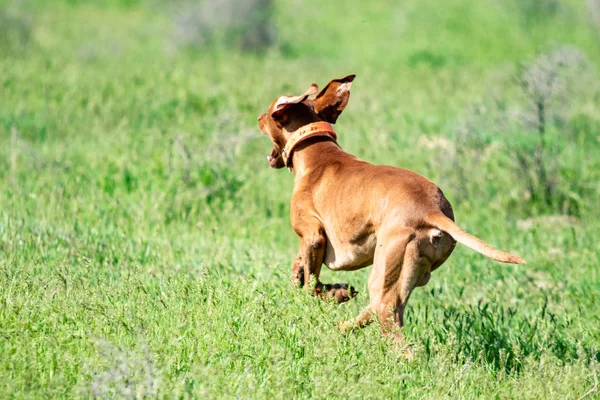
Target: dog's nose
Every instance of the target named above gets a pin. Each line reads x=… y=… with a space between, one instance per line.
x=260 y=117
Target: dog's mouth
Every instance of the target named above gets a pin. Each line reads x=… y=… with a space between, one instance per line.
x=275 y=159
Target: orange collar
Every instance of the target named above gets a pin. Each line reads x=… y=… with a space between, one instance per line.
x=314 y=129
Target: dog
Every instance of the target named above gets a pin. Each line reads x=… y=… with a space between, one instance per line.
x=350 y=214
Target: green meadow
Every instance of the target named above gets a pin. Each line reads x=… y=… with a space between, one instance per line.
x=145 y=244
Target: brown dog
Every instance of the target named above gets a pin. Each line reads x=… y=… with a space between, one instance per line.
x=350 y=214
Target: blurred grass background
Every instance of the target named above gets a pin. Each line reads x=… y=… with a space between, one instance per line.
x=145 y=245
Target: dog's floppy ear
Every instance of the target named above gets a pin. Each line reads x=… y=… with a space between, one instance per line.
x=285 y=101
x=332 y=100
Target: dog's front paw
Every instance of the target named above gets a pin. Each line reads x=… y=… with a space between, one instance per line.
x=340 y=292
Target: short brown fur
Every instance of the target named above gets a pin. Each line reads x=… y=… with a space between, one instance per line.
x=350 y=214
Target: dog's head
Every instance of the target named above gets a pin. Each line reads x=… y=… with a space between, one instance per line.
x=288 y=113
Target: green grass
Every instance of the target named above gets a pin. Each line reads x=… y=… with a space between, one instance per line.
x=145 y=245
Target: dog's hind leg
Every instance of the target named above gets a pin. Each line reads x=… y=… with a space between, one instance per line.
x=363 y=319
x=400 y=265
x=388 y=267
x=384 y=289
x=416 y=271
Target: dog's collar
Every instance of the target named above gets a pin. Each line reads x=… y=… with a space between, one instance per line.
x=314 y=129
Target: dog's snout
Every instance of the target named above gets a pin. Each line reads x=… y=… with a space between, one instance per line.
x=260 y=117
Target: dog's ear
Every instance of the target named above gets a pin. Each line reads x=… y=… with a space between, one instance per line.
x=286 y=101
x=332 y=100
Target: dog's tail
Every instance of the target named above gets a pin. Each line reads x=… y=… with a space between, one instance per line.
x=444 y=223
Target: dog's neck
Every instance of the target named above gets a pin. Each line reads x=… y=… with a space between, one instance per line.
x=304 y=136
x=312 y=154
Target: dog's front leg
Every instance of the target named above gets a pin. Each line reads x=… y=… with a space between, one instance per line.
x=340 y=292
x=298 y=271
x=312 y=251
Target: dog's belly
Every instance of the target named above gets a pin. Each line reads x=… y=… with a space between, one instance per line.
x=347 y=256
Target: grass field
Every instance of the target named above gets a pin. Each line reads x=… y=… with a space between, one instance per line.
x=145 y=244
